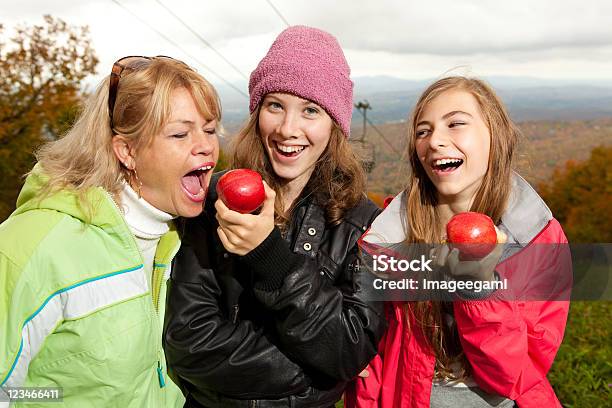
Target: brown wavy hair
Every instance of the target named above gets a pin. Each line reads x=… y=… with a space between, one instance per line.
x=491 y=199
x=338 y=182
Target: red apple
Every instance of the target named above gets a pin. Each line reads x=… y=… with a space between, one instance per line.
x=388 y=200
x=241 y=190
x=473 y=234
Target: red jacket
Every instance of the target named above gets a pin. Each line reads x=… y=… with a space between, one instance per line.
x=510 y=344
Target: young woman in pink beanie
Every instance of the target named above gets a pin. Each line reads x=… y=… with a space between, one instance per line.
x=266 y=309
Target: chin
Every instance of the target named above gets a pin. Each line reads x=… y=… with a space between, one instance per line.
x=192 y=212
x=287 y=174
x=447 y=190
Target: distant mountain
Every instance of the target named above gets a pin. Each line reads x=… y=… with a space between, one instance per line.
x=526 y=98
x=544 y=147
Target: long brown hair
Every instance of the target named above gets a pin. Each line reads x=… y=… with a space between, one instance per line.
x=490 y=199
x=338 y=182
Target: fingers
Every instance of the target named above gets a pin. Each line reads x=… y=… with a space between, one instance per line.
x=365 y=373
x=224 y=240
x=497 y=252
x=453 y=261
x=458 y=268
x=268 y=205
x=230 y=217
x=502 y=238
x=231 y=243
x=241 y=233
x=233 y=220
x=494 y=256
x=439 y=253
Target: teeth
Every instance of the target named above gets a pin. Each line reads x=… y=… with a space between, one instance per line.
x=289 y=149
x=205 y=168
x=440 y=162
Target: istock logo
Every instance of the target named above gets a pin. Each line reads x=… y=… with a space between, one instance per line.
x=384 y=263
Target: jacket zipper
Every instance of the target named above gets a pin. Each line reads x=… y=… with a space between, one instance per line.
x=235 y=314
x=353 y=268
x=160 y=375
x=155 y=289
x=158 y=276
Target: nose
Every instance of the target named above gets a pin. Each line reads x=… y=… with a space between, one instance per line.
x=438 y=139
x=204 y=143
x=289 y=126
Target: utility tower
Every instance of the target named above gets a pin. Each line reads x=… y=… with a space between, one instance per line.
x=364 y=149
x=363 y=105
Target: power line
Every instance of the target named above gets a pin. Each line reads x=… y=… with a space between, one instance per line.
x=209 y=45
x=278 y=13
x=182 y=49
x=384 y=138
x=381 y=135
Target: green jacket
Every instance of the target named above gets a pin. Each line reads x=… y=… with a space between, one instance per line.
x=76 y=310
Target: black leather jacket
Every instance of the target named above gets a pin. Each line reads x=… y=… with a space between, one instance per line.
x=284 y=326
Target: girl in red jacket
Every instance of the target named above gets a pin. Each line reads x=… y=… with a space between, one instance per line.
x=482 y=349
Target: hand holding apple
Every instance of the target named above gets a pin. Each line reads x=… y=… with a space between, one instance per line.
x=473 y=234
x=241 y=190
x=241 y=233
x=479 y=269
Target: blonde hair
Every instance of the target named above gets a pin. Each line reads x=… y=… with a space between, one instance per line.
x=491 y=199
x=338 y=182
x=84 y=156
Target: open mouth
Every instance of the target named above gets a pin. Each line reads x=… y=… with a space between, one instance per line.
x=194 y=183
x=288 y=151
x=446 y=165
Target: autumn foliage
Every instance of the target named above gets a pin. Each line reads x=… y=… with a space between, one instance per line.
x=377 y=198
x=41 y=69
x=580 y=197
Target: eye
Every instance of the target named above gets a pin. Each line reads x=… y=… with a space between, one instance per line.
x=210 y=131
x=455 y=124
x=422 y=133
x=274 y=106
x=179 y=135
x=311 y=110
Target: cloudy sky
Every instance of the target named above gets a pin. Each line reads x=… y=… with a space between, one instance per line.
x=569 y=39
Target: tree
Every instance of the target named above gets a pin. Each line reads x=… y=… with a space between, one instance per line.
x=580 y=197
x=41 y=69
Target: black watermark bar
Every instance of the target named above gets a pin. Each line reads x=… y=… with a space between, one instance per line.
x=512 y=272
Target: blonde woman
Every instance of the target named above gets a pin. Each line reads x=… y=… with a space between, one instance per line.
x=85 y=256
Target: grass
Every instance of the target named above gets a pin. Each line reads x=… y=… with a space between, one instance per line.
x=582 y=372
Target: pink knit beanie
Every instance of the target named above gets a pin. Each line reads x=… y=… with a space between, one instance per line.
x=309 y=63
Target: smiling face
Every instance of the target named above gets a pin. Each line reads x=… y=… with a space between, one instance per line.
x=295 y=132
x=452 y=144
x=176 y=165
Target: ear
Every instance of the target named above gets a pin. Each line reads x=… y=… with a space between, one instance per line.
x=123 y=151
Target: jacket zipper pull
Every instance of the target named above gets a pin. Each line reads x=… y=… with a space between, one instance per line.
x=160 y=375
x=235 y=314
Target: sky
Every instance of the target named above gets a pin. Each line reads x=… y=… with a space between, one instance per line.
x=551 y=39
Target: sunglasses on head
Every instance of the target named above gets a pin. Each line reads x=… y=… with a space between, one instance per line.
x=129 y=63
